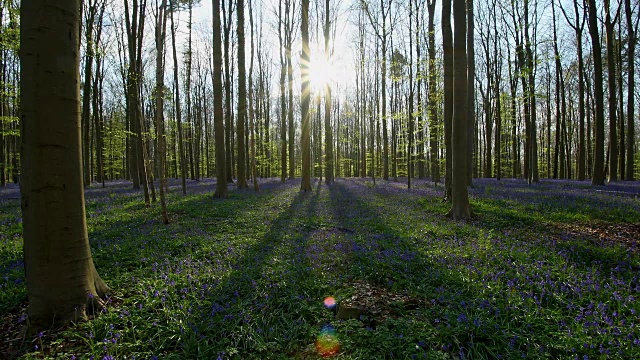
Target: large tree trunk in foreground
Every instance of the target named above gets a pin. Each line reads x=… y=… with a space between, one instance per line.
x=62 y=282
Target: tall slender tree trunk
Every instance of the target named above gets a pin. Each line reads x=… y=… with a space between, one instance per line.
x=327 y=101
x=98 y=113
x=420 y=152
x=183 y=160
x=447 y=38
x=631 y=50
x=228 y=122
x=613 y=100
x=283 y=98
x=218 y=116
x=135 y=31
x=410 y=123
x=459 y=192
x=498 y=112
x=598 y=165
x=188 y=60
x=513 y=84
x=161 y=32
x=471 y=79
x=86 y=92
x=242 y=98
x=251 y=112
x=534 y=174
x=578 y=26
x=290 y=123
x=434 y=124
x=306 y=94
x=385 y=131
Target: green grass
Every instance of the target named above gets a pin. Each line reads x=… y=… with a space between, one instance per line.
x=246 y=277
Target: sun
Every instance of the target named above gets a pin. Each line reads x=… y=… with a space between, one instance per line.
x=321 y=73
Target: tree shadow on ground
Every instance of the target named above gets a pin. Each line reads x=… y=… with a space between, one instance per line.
x=430 y=293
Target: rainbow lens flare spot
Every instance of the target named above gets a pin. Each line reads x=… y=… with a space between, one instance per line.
x=327 y=343
x=329 y=302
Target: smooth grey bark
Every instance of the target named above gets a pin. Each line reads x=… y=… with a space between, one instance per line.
x=305 y=95
x=63 y=285
x=459 y=191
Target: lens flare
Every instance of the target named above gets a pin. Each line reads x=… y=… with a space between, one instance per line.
x=330 y=302
x=327 y=343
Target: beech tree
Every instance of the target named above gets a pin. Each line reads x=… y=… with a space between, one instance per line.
x=632 y=31
x=283 y=96
x=327 y=101
x=459 y=192
x=447 y=45
x=161 y=32
x=609 y=23
x=93 y=12
x=62 y=282
x=306 y=95
x=434 y=124
x=178 y=108
x=135 y=30
x=227 y=15
x=218 y=117
x=242 y=99
x=382 y=32
x=598 y=164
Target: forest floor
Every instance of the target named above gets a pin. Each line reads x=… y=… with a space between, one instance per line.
x=352 y=270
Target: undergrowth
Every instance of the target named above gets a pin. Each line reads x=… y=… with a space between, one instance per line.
x=246 y=277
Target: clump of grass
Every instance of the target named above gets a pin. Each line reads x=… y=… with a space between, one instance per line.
x=246 y=277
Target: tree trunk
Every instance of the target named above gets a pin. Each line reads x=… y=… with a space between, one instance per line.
x=98 y=113
x=613 y=101
x=242 y=98
x=218 y=116
x=385 y=130
x=161 y=32
x=305 y=91
x=631 y=49
x=534 y=175
x=63 y=285
x=471 y=107
x=283 y=98
x=410 y=124
x=447 y=38
x=86 y=90
x=228 y=122
x=251 y=112
x=135 y=31
x=459 y=192
x=327 y=103
x=183 y=160
x=434 y=124
x=598 y=165
x=289 y=24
